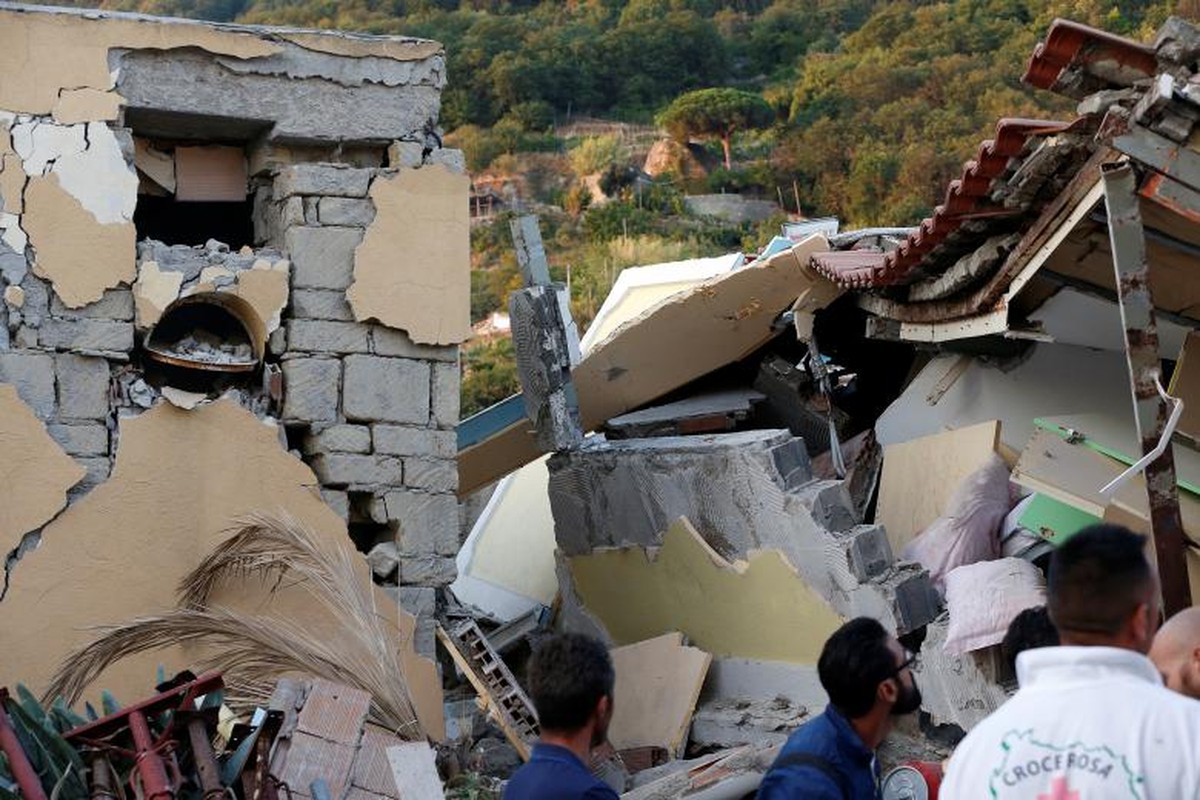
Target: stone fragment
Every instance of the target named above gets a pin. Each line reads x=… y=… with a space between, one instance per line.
x=310 y=389
x=87 y=334
x=323 y=304
x=346 y=469
x=325 y=336
x=82 y=386
x=80 y=440
x=386 y=389
x=428 y=523
x=311 y=211
x=322 y=258
x=338 y=500
x=37 y=301
x=418 y=601
x=384 y=558
x=452 y=159
x=431 y=474
x=321 y=179
x=397 y=440
x=427 y=571
x=26 y=338
x=115 y=304
x=97 y=469
x=345 y=211
x=33 y=376
x=405 y=154
x=393 y=342
x=14 y=296
x=339 y=439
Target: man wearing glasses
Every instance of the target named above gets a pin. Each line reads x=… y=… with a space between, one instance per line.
x=867 y=675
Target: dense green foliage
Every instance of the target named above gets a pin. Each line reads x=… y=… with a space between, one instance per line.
x=714 y=112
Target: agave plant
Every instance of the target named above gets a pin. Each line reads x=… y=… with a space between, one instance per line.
x=252 y=651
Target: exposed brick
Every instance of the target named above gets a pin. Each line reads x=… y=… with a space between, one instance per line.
x=339 y=439
x=322 y=258
x=324 y=336
x=310 y=389
x=386 y=389
x=398 y=440
x=82 y=386
x=321 y=304
x=445 y=396
x=87 y=334
x=431 y=474
x=345 y=469
x=323 y=179
x=392 y=342
x=33 y=376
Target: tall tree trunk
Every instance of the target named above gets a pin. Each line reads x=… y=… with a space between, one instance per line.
x=725 y=137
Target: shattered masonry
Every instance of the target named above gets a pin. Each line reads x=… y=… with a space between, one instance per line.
x=183 y=209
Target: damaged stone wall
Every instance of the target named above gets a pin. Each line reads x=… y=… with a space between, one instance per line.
x=324 y=147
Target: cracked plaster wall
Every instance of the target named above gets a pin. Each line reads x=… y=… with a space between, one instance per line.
x=370 y=410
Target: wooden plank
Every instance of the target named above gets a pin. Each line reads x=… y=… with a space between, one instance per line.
x=658 y=685
x=684 y=337
x=920 y=476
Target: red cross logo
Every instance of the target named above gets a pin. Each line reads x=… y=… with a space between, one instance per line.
x=1059 y=791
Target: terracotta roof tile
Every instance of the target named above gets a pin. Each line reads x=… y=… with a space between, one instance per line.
x=1105 y=60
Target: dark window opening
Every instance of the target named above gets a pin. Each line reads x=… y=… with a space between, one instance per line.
x=174 y=222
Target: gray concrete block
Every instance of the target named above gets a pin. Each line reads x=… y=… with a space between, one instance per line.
x=345 y=211
x=346 y=469
x=322 y=258
x=80 y=440
x=311 y=215
x=418 y=600
x=87 y=334
x=792 y=464
x=405 y=154
x=868 y=552
x=291 y=212
x=13 y=266
x=326 y=336
x=428 y=523
x=338 y=500
x=915 y=602
x=829 y=503
x=386 y=390
x=83 y=386
x=453 y=159
x=398 y=440
x=26 y=338
x=427 y=571
x=339 y=439
x=97 y=473
x=392 y=342
x=115 y=304
x=311 y=387
x=33 y=376
x=321 y=304
x=322 y=179
x=36 y=307
x=445 y=395
x=431 y=474
x=383 y=559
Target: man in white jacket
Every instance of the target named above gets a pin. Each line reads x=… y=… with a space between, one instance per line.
x=1092 y=719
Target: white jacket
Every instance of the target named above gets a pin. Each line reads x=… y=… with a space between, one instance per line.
x=1088 y=723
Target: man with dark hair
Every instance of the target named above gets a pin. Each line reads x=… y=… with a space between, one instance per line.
x=1029 y=629
x=867 y=675
x=571 y=684
x=1092 y=718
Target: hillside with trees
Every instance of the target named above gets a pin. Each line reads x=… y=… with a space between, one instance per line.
x=853 y=108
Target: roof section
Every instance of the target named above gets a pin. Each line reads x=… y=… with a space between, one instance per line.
x=1076 y=61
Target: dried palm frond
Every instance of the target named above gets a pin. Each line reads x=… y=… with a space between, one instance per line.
x=251 y=650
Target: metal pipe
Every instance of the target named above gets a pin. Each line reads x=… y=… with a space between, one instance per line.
x=205 y=760
x=1136 y=302
x=155 y=782
x=27 y=778
x=102 y=786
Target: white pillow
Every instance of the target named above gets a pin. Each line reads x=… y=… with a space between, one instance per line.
x=984 y=598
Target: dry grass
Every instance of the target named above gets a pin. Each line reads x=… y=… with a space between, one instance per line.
x=254 y=651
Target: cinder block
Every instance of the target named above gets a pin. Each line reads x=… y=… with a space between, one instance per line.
x=392 y=342
x=427 y=571
x=405 y=154
x=116 y=304
x=322 y=179
x=431 y=474
x=338 y=500
x=792 y=463
x=829 y=504
x=346 y=469
x=310 y=389
x=81 y=440
x=322 y=258
x=345 y=211
x=868 y=552
x=418 y=600
x=386 y=390
x=321 y=304
x=82 y=386
x=452 y=159
x=33 y=376
x=445 y=395
x=324 y=336
x=397 y=440
x=339 y=439
x=87 y=334
x=428 y=523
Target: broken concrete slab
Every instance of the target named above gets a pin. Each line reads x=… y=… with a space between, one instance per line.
x=34 y=475
x=80 y=256
x=687 y=586
x=657 y=686
x=423 y=214
x=322 y=304
x=235 y=461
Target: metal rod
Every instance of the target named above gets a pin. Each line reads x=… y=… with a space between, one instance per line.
x=1136 y=302
x=24 y=773
x=155 y=782
x=202 y=755
x=102 y=785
